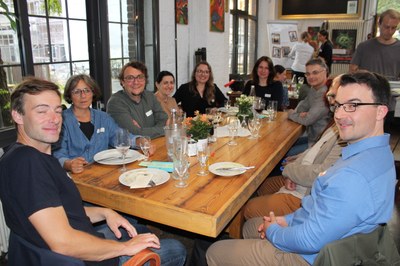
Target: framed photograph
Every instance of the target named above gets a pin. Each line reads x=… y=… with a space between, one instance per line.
x=285 y=51
x=181 y=11
x=276 y=38
x=293 y=36
x=276 y=52
x=313 y=31
x=217 y=15
x=344 y=44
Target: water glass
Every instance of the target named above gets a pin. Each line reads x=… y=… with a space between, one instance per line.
x=233 y=128
x=203 y=154
x=252 y=126
x=181 y=167
x=122 y=144
x=272 y=110
x=145 y=145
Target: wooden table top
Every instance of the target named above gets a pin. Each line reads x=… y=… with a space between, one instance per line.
x=209 y=202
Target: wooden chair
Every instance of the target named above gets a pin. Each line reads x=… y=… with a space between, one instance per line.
x=45 y=257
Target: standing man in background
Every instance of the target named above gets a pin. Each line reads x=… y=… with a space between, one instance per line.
x=380 y=54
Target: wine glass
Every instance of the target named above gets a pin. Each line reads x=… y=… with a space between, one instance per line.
x=259 y=105
x=233 y=128
x=181 y=166
x=203 y=154
x=122 y=144
x=145 y=145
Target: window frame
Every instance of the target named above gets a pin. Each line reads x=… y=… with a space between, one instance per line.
x=236 y=15
x=98 y=43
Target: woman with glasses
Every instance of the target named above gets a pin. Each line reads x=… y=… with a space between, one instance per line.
x=201 y=92
x=85 y=131
x=262 y=78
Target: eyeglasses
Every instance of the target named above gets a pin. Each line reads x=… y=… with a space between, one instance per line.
x=350 y=107
x=314 y=73
x=131 y=78
x=206 y=72
x=78 y=92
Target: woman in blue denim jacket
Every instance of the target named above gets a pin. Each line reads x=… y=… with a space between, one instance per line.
x=85 y=131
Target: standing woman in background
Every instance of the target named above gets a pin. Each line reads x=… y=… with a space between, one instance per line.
x=325 y=50
x=201 y=92
x=262 y=77
x=165 y=83
x=302 y=52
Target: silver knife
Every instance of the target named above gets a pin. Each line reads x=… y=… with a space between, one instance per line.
x=235 y=168
x=112 y=158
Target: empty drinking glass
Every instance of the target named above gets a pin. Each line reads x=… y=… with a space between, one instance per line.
x=122 y=144
x=233 y=128
x=145 y=145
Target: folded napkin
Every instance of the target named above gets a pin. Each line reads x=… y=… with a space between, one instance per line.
x=224 y=132
x=138 y=179
x=166 y=166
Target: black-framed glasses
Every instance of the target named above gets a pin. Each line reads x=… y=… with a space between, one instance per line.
x=131 y=78
x=79 y=92
x=350 y=107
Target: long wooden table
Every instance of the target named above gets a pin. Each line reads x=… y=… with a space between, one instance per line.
x=210 y=202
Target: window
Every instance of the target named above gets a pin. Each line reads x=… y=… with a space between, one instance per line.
x=123 y=43
x=10 y=73
x=57 y=36
x=242 y=35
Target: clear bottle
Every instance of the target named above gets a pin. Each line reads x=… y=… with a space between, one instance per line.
x=252 y=91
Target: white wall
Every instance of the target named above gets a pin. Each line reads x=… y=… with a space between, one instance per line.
x=191 y=37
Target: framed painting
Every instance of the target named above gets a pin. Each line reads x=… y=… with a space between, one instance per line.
x=181 y=7
x=217 y=15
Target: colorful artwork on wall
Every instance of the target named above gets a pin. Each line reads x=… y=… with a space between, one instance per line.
x=181 y=11
x=344 y=45
x=217 y=15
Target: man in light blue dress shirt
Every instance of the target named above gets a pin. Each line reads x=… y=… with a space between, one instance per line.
x=355 y=195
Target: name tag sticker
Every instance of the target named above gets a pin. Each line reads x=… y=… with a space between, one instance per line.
x=267 y=95
x=149 y=113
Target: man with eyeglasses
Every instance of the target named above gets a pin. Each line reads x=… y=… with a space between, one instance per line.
x=381 y=54
x=135 y=108
x=313 y=111
x=354 y=196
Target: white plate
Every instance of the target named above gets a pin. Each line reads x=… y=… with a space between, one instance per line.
x=213 y=169
x=113 y=157
x=140 y=178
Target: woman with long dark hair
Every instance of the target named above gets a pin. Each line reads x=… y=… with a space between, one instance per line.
x=201 y=92
x=262 y=78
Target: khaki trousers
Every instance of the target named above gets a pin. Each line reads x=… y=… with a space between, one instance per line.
x=280 y=204
x=250 y=251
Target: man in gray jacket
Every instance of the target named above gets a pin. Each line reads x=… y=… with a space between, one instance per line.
x=134 y=108
x=313 y=111
x=283 y=194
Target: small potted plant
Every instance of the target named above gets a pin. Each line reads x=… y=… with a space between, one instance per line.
x=198 y=127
